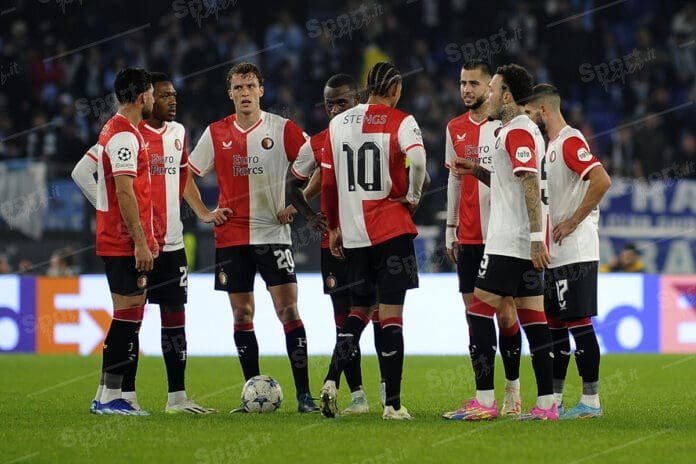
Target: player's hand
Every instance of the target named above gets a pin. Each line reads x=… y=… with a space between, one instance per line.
x=411 y=207
x=218 y=216
x=336 y=243
x=453 y=252
x=563 y=230
x=143 y=258
x=155 y=253
x=318 y=221
x=287 y=215
x=463 y=166
x=540 y=255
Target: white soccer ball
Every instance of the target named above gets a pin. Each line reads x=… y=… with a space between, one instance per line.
x=261 y=394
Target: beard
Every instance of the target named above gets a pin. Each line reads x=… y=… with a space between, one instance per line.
x=542 y=127
x=146 y=113
x=476 y=105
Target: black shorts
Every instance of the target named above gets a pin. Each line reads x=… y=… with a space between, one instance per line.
x=334 y=274
x=388 y=267
x=169 y=279
x=508 y=276
x=122 y=276
x=571 y=291
x=468 y=262
x=236 y=266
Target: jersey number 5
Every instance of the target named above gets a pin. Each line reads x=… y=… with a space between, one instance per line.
x=369 y=167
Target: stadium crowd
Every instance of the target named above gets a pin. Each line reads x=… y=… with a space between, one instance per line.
x=630 y=93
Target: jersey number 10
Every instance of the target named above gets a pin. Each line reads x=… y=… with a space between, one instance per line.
x=369 y=167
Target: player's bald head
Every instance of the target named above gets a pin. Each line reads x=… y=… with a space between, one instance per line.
x=546 y=94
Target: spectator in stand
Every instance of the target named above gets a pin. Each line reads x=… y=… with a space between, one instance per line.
x=627 y=261
x=4 y=265
x=61 y=264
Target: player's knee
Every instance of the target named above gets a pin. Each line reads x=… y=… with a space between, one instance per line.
x=243 y=314
x=506 y=319
x=341 y=303
x=287 y=312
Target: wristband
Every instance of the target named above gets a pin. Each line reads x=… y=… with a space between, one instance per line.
x=536 y=237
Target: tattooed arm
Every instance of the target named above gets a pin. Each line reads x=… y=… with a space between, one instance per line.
x=464 y=166
x=532 y=199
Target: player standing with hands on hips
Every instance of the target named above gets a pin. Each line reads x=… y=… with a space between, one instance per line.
x=369 y=207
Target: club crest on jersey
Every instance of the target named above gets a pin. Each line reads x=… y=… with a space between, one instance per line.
x=177 y=144
x=227 y=145
x=523 y=154
x=141 y=282
x=267 y=143
x=222 y=278
x=584 y=155
x=331 y=281
x=552 y=156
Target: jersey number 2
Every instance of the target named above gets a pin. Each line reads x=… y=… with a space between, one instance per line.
x=369 y=167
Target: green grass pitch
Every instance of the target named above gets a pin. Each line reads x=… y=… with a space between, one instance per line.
x=649 y=403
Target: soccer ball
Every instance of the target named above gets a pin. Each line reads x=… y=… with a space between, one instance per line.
x=261 y=394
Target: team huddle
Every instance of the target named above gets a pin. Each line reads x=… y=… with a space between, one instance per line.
x=522 y=224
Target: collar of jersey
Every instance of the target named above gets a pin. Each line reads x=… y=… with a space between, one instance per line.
x=510 y=121
x=127 y=120
x=157 y=131
x=560 y=132
x=483 y=121
x=253 y=126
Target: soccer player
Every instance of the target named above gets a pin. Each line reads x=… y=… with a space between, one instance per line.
x=472 y=136
x=575 y=184
x=250 y=152
x=515 y=253
x=125 y=238
x=168 y=283
x=364 y=190
x=341 y=92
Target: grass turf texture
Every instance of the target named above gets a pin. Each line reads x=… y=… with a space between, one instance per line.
x=648 y=402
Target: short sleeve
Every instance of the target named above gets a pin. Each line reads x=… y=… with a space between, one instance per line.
x=293 y=139
x=305 y=163
x=520 y=146
x=450 y=154
x=202 y=157
x=409 y=134
x=122 y=149
x=577 y=156
x=93 y=153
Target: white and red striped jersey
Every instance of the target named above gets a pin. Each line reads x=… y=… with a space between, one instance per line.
x=307 y=161
x=121 y=152
x=567 y=163
x=168 y=161
x=364 y=171
x=473 y=140
x=519 y=147
x=251 y=165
